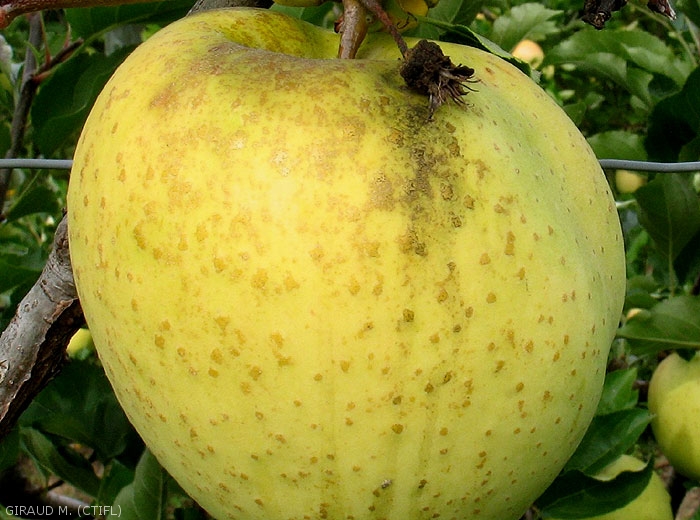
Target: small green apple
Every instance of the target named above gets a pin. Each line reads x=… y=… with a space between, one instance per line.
x=674 y=399
x=654 y=503
x=314 y=301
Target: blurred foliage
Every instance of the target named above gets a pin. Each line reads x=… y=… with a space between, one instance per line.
x=634 y=91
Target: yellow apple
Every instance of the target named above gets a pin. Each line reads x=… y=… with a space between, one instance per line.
x=654 y=503
x=674 y=399
x=313 y=301
x=530 y=52
x=628 y=181
x=80 y=343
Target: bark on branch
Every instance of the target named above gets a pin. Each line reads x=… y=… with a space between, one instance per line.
x=32 y=347
x=11 y=9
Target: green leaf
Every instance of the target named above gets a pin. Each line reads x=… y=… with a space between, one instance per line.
x=575 y=495
x=670 y=212
x=618 y=392
x=532 y=20
x=671 y=324
x=60 y=461
x=454 y=12
x=641 y=293
x=145 y=498
x=675 y=121
x=14 y=275
x=630 y=58
x=39 y=196
x=89 y=22
x=9 y=449
x=618 y=144
x=321 y=15
x=690 y=8
x=87 y=413
x=65 y=99
x=116 y=476
x=608 y=437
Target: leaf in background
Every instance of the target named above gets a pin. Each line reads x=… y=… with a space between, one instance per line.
x=641 y=292
x=454 y=12
x=670 y=212
x=618 y=392
x=87 y=413
x=618 y=144
x=65 y=99
x=14 y=275
x=631 y=58
x=9 y=450
x=145 y=498
x=39 y=196
x=608 y=437
x=89 y=22
x=575 y=495
x=690 y=8
x=532 y=20
x=671 y=324
x=67 y=465
x=116 y=476
x=321 y=15
x=675 y=121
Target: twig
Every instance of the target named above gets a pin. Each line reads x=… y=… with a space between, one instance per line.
x=11 y=9
x=32 y=347
x=31 y=79
x=26 y=95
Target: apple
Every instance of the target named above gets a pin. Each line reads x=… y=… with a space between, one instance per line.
x=80 y=344
x=314 y=301
x=530 y=52
x=628 y=181
x=654 y=503
x=674 y=399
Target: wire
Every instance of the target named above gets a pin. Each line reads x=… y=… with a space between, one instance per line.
x=37 y=164
x=645 y=166
x=613 y=164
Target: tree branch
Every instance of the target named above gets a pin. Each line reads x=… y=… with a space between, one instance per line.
x=32 y=347
x=11 y=9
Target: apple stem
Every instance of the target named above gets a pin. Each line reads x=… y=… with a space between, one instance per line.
x=352 y=28
x=374 y=7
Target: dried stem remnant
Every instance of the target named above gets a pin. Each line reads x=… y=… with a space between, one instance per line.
x=428 y=71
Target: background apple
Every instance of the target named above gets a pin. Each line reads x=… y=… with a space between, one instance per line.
x=627 y=181
x=530 y=52
x=674 y=399
x=654 y=503
x=313 y=301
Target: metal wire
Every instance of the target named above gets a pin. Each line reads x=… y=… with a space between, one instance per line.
x=646 y=166
x=36 y=164
x=613 y=164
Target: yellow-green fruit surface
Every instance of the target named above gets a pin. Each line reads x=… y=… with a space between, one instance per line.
x=654 y=503
x=674 y=399
x=314 y=302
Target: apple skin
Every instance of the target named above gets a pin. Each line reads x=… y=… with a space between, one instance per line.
x=674 y=399
x=313 y=302
x=654 y=503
